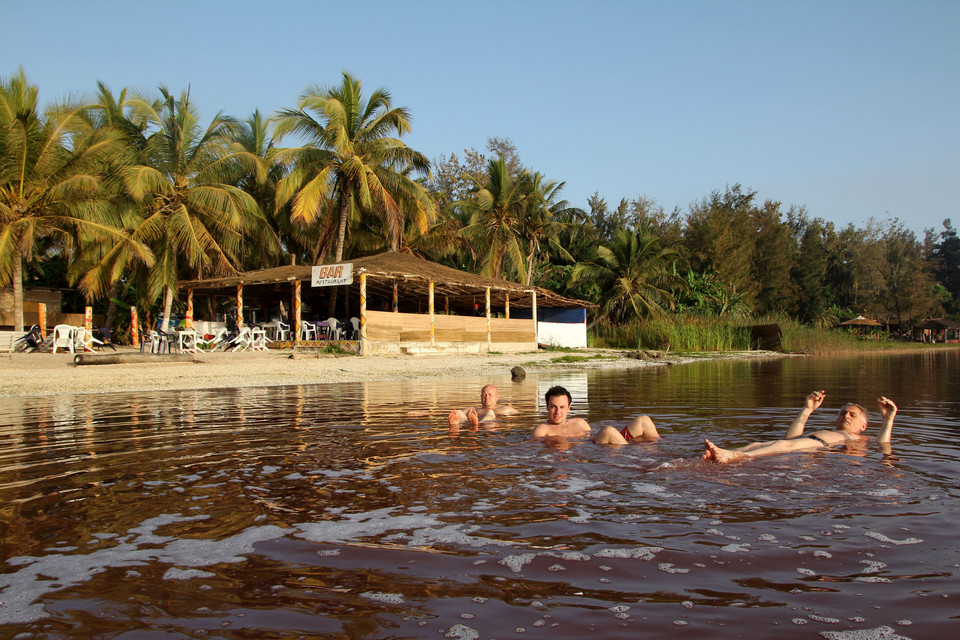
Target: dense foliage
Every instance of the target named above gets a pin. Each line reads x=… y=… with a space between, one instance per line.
x=122 y=197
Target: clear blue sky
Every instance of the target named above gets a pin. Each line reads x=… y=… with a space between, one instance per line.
x=849 y=108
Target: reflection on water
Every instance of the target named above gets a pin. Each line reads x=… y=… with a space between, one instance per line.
x=351 y=511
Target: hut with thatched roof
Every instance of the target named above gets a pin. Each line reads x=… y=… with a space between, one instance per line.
x=937 y=330
x=389 y=303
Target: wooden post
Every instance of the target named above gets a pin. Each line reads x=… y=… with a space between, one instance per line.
x=396 y=297
x=363 y=312
x=433 y=339
x=446 y=305
x=297 y=313
x=239 y=306
x=489 y=330
x=42 y=319
x=536 y=336
x=88 y=325
x=188 y=321
x=506 y=307
x=134 y=328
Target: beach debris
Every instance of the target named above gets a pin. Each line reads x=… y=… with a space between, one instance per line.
x=645 y=354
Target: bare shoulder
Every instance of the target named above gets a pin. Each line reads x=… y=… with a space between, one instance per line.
x=506 y=410
x=542 y=430
x=578 y=425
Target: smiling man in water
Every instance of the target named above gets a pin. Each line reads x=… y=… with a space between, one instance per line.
x=558 y=424
x=851 y=423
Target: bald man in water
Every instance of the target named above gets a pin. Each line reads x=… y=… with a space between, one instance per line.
x=851 y=423
x=487 y=412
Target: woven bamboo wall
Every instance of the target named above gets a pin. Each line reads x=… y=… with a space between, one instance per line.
x=408 y=327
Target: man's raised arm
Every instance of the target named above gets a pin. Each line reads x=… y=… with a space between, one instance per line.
x=813 y=402
x=887 y=411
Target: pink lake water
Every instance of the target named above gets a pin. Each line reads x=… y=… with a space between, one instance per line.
x=351 y=511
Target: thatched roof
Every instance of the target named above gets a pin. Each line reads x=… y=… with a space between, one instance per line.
x=938 y=324
x=860 y=321
x=413 y=277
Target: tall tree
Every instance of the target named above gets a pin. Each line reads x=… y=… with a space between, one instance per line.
x=194 y=219
x=539 y=223
x=51 y=184
x=809 y=273
x=774 y=254
x=908 y=286
x=113 y=111
x=635 y=275
x=262 y=248
x=353 y=162
x=719 y=237
x=496 y=212
x=946 y=254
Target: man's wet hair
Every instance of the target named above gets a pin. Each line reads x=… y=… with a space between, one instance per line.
x=866 y=414
x=553 y=392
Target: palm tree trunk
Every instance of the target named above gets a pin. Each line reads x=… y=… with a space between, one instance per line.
x=341 y=238
x=17 y=292
x=112 y=306
x=342 y=230
x=167 y=306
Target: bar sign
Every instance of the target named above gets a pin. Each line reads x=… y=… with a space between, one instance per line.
x=332 y=275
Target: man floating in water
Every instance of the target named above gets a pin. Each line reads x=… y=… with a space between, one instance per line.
x=487 y=412
x=559 y=425
x=851 y=422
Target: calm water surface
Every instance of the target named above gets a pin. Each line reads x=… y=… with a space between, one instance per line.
x=350 y=511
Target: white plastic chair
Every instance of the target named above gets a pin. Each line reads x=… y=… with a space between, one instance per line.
x=218 y=341
x=156 y=343
x=308 y=330
x=334 y=328
x=356 y=328
x=243 y=341
x=283 y=331
x=83 y=340
x=187 y=341
x=63 y=337
x=258 y=339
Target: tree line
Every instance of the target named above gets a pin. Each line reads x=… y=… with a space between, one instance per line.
x=124 y=195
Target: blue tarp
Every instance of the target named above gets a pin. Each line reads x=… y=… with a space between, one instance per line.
x=566 y=316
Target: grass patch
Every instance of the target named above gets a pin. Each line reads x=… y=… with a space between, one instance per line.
x=675 y=333
x=335 y=350
x=572 y=358
x=704 y=334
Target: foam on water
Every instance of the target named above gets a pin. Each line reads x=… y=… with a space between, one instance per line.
x=39 y=576
x=880 y=633
x=882 y=538
x=389 y=598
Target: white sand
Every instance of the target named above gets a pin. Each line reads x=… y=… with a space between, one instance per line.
x=43 y=374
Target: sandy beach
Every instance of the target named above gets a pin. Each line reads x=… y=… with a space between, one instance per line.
x=44 y=374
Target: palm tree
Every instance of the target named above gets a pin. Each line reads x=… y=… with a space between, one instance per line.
x=193 y=217
x=353 y=162
x=252 y=136
x=52 y=168
x=112 y=111
x=496 y=212
x=539 y=222
x=634 y=275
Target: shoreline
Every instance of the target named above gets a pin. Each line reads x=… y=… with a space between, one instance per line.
x=42 y=374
